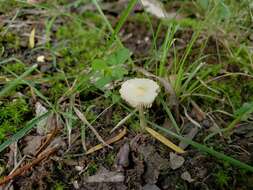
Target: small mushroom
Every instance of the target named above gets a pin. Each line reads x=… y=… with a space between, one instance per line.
x=140 y=93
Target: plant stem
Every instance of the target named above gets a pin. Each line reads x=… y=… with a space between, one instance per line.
x=142 y=118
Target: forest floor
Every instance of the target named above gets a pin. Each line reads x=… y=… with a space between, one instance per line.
x=62 y=63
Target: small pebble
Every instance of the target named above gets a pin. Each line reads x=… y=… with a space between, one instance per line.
x=41 y=59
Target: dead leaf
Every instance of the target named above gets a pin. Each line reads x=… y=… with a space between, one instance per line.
x=33 y=144
x=32 y=38
x=155 y=8
x=122 y=160
x=187 y=177
x=164 y=140
x=110 y=141
x=176 y=161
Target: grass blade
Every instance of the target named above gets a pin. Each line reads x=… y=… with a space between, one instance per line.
x=17 y=81
x=206 y=149
x=29 y=126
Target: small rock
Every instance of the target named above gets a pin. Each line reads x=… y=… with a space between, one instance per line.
x=176 y=161
x=76 y=185
x=41 y=125
x=41 y=58
x=187 y=177
x=105 y=176
x=79 y=168
x=122 y=160
x=150 y=187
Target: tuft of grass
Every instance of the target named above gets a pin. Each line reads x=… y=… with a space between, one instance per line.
x=22 y=132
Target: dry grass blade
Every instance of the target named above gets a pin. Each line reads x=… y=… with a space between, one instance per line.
x=123 y=121
x=32 y=39
x=110 y=141
x=190 y=119
x=164 y=140
x=84 y=120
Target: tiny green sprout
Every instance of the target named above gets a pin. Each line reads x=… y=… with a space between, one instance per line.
x=140 y=93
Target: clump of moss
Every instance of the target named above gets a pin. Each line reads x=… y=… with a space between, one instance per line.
x=17 y=67
x=9 y=41
x=222 y=178
x=80 y=46
x=7 y=6
x=57 y=89
x=12 y=116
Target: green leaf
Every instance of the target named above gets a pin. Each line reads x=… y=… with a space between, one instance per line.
x=99 y=65
x=245 y=111
x=100 y=83
x=203 y=4
x=119 y=57
x=119 y=72
x=223 y=10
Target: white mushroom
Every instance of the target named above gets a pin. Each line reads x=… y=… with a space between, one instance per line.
x=140 y=93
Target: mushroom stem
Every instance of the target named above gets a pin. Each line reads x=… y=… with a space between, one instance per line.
x=142 y=118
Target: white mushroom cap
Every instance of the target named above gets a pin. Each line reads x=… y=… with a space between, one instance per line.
x=139 y=92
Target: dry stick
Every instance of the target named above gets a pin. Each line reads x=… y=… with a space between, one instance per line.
x=84 y=120
x=26 y=167
x=48 y=140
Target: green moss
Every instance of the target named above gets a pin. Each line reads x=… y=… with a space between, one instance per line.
x=57 y=89
x=81 y=45
x=12 y=116
x=110 y=158
x=16 y=67
x=8 y=5
x=222 y=178
x=92 y=168
x=59 y=186
x=9 y=40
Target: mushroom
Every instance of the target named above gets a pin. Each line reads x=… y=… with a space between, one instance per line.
x=140 y=93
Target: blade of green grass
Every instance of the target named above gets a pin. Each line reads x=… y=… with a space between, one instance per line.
x=169 y=39
x=123 y=17
x=206 y=149
x=167 y=110
x=28 y=127
x=199 y=146
x=12 y=84
x=37 y=92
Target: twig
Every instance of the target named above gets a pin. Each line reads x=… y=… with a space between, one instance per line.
x=48 y=140
x=26 y=167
